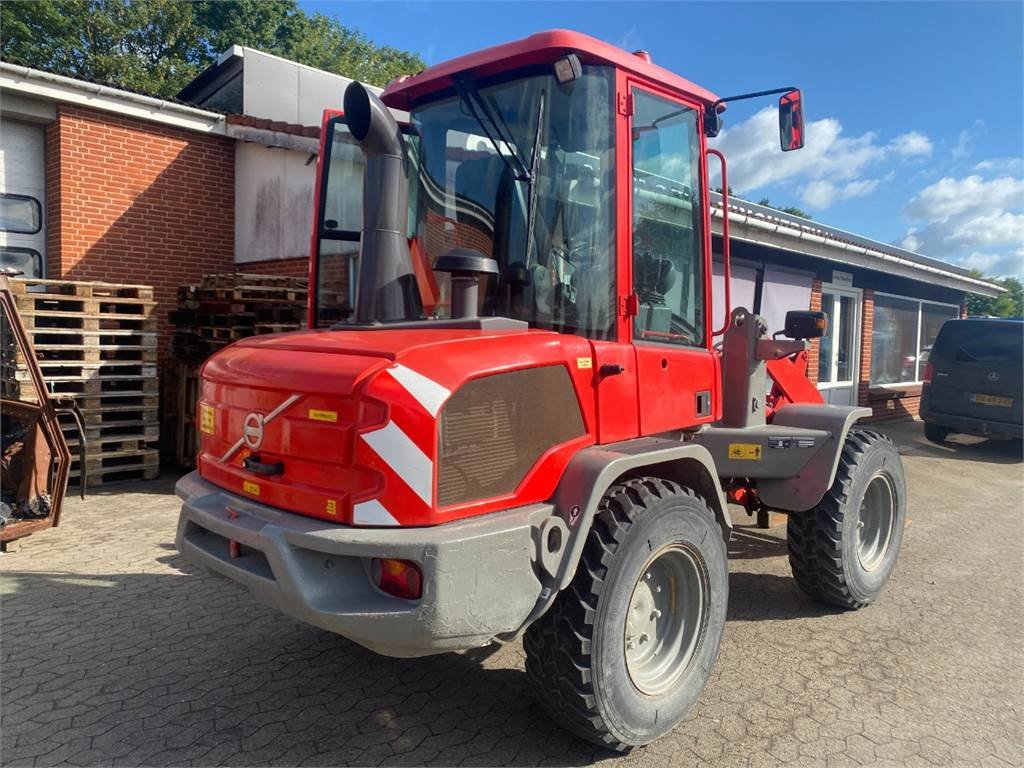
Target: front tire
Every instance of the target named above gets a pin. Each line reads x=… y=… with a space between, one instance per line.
x=843 y=551
x=625 y=651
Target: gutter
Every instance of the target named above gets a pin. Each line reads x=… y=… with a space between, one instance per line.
x=46 y=85
x=904 y=266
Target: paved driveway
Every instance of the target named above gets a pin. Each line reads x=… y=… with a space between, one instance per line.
x=117 y=651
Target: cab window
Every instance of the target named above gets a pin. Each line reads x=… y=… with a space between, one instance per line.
x=668 y=261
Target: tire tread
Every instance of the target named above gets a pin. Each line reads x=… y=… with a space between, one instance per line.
x=559 y=644
x=814 y=538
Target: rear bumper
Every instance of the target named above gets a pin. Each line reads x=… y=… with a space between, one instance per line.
x=479 y=578
x=968 y=425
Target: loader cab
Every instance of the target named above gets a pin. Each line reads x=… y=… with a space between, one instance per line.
x=576 y=173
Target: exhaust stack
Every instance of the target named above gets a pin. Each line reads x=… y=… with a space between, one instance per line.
x=387 y=290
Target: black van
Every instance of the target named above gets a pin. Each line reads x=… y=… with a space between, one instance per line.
x=974 y=380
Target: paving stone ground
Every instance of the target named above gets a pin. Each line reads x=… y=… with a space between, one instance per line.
x=115 y=651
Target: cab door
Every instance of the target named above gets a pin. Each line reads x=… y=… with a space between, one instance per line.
x=676 y=369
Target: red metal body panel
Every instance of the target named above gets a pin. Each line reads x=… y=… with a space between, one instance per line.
x=538 y=48
x=346 y=393
x=790 y=383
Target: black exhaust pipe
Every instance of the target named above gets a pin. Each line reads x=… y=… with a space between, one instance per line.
x=387 y=290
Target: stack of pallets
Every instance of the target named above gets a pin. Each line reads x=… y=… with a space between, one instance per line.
x=221 y=309
x=98 y=343
x=226 y=307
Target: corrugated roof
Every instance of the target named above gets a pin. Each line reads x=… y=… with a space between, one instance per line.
x=840 y=236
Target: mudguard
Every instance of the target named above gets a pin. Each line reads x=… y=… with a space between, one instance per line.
x=805 y=489
x=593 y=470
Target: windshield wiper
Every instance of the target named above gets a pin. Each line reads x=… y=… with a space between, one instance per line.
x=479 y=110
x=531 y=205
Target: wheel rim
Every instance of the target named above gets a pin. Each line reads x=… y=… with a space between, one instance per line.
x=665 y=619
x=875 y=522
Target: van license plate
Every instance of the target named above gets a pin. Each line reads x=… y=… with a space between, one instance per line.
x=1002 y=402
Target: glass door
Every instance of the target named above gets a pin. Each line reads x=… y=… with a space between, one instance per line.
x=839 y=354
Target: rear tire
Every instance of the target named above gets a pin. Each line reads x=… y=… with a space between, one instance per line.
x=935 y=432
x=625 y=651
x=843 y=551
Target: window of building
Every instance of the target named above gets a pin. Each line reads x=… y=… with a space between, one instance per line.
x=20 y=214
x=28 y=261
x=902 y=336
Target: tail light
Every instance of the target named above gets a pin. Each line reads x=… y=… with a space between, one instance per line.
x=400 y=578
x=928 y=370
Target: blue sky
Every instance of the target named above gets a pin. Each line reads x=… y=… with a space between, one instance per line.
x=915 y=110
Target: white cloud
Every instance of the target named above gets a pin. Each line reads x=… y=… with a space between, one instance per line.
x=964 y=146
x=831 y=165
x=912 y=144
x=972 y=221
x=948 y=197
x=1001 y=164
x=821 y=193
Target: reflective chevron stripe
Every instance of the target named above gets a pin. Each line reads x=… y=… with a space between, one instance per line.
x=427 y=392
x=404 y=458
x=402 y=450
x=372 y=513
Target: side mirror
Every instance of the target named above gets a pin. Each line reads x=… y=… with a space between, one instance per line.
x=805 y=324
x=791 y=121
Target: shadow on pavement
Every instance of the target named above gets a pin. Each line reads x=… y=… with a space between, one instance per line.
x=748 y=542
x=909 y=438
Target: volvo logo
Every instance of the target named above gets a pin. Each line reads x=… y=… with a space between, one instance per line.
x=993 y=376
x=252 y=430
x=253 y=426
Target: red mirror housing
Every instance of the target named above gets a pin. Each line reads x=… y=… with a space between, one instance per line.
x=791 y=121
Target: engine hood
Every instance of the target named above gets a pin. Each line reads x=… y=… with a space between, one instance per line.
x=344 y=425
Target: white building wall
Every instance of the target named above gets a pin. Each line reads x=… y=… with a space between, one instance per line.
x=273 y=203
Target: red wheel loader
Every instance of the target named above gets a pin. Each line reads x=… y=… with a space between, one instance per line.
x=526 y=425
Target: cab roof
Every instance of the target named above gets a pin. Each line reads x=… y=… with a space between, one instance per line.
x=538 y=48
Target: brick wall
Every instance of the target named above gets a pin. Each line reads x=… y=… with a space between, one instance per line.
x=281 y=267
x=867 y=314
x=134 y=202
x=814 y=347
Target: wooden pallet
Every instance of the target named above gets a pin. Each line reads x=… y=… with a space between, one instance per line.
x=134 y=468
x=224 y=308
x=186 y=443
x=22 y=286
x=98 y=343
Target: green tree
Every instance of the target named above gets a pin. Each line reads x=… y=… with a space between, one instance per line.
x=1008 y=304
x=158 y=46
x=792 y=210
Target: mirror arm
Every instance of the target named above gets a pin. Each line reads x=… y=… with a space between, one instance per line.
x=712 y=120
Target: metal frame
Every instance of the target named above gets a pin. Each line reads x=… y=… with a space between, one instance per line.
x=858 y=325
x=917 y=361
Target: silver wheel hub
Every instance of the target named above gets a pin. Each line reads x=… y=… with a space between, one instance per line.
x=665 y=619
x=875 y=522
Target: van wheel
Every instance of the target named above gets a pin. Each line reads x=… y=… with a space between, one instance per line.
x=935 y=432
x=843 y=551
x=625 y=650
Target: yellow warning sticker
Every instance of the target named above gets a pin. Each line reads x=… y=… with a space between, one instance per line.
x=315 y=415
x=332 y=507
x=584 y=363
x=253 y=488
x=206 y=418
x=751 y=451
